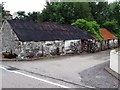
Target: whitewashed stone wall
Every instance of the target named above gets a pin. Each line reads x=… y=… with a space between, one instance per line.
x=9 y=38
x=10 y=42
x=74 y=45
x=115 y=61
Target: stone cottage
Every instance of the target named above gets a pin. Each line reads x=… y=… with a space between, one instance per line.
x=23 y=36
x=108 y=40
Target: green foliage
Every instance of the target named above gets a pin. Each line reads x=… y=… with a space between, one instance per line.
x=21 y=14
x=113 y=27
x=115 y=11
x=89 y=26
x=65 y=12
x=2 y=11
x=29 y=17
x=110 y=25
x=32 y=16
x=100 y=11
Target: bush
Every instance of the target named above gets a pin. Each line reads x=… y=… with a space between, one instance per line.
x=89 y=26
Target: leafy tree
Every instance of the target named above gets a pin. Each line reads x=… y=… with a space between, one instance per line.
x=100 y=11
x=2 y=11
x=65 y=12
x=115 y=11
x=21 y=14
x=113 y=27
x=29 y=17
x=89 y=26
x=83 y=10
x=32 y=16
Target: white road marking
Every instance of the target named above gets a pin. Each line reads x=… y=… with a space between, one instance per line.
x=30 y=76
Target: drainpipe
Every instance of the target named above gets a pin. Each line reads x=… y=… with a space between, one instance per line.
x=43 y=48
x=118 y=42
x=63 y=46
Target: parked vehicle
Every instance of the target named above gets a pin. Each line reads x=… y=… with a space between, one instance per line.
x=9 y=55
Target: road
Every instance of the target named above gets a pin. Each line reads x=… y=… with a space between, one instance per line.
x=17 y=79
x=97 y=76
x=63 y=70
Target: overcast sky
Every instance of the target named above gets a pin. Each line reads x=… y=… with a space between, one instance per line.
x=25 y=5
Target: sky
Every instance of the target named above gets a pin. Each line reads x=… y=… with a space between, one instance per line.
x=25 y=5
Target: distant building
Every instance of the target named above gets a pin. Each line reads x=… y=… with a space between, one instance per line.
x=108 y=40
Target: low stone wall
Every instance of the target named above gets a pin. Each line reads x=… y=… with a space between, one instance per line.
x=115 y=61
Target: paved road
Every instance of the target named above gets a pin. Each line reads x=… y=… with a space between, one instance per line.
x=97 y=76
x=17 y=79
x=61 y=70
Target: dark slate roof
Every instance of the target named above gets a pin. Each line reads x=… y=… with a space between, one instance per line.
x=32 y=31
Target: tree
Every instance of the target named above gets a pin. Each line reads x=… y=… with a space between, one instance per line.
x=2 y=11
x=89 y=26
x=32 y=16
x=113 y=27
x=66 y=12
x=21 y=14
x=115 y=11
x=83 y=10
x=100 y=11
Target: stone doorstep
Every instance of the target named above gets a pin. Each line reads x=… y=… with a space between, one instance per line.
x=113 y=73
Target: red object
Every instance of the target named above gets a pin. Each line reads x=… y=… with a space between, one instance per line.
x=106 y=35
x=1 y=56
